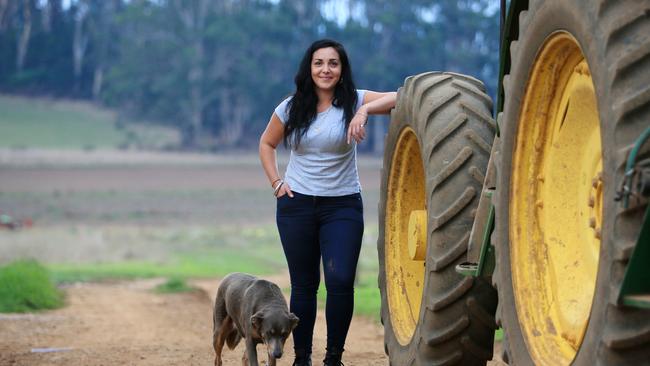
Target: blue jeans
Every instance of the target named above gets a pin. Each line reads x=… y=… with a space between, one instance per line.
x=312 y=227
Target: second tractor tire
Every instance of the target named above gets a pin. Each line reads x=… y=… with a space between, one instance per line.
x=442 y=318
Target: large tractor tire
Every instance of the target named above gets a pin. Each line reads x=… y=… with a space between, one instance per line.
x=577 y=97
x=436 y=155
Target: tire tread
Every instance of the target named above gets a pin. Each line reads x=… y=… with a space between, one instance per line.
x=450 y=114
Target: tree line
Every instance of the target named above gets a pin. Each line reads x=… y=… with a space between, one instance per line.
x=215 y=69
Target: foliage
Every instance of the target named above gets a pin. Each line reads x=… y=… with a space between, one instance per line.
x=26 y=286
x=214 y=70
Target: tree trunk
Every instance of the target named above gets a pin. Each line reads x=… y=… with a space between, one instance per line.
x=195 y=78
x=225 y=115
x=79 y=44
x=46 y=17
x=5 y=14
x=385 y=51
x=100 y=30
x=232 y=132
x=378 y=134
x=23 y=39
x=98 y=80
x=193 y=17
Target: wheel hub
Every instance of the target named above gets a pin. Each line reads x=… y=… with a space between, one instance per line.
x=417 y=235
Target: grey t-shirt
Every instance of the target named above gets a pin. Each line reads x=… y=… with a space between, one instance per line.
x=324 y=164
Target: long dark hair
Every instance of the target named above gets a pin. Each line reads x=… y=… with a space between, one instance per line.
x=303 y=105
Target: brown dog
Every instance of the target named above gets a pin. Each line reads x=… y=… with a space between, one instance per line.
x=254 y=309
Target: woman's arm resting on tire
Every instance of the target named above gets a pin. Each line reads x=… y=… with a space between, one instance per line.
x=373 y=103
x=378 y=103
x=269 y=141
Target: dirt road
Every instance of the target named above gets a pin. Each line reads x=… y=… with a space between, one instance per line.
x=126 y=323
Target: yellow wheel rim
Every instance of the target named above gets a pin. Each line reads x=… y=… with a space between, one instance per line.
x=405 y=236
x=556 y=202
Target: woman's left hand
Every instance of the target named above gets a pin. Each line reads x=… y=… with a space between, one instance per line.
x=357 y=128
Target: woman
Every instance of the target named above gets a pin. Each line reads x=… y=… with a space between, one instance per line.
x=319 y=207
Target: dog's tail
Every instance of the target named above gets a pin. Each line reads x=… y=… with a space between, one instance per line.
x=233 y=338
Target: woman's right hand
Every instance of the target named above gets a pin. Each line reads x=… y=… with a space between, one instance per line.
x=285 y=189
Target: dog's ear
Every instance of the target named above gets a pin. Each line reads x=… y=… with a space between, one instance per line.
x=256 y=320
x=294 y=320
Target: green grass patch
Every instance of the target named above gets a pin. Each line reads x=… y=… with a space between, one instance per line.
x=41 y=123
x=211 y=263
x=125 y=253
x=173 y=285
x=26 y=286
x=367 y=300
x=61 y=124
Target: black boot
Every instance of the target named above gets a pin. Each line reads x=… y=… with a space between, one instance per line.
x=333 y=357
x=303 y=358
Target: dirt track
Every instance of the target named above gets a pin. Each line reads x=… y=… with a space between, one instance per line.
x=127 y=324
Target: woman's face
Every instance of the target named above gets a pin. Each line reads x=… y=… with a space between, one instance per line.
x=325 y=68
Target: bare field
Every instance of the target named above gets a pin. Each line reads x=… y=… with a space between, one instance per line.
x=112 y=206
x=110 y=187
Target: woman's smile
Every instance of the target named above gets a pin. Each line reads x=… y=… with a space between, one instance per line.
x=326 y=68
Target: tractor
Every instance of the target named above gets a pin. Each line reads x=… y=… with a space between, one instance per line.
x=530 y=214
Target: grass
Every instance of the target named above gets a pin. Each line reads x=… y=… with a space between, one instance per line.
x=367 y=301
x=44 y=123
x=40 y=123
x=207 y=263
x=146 y=252
x=172 y=286
x=26 y=286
